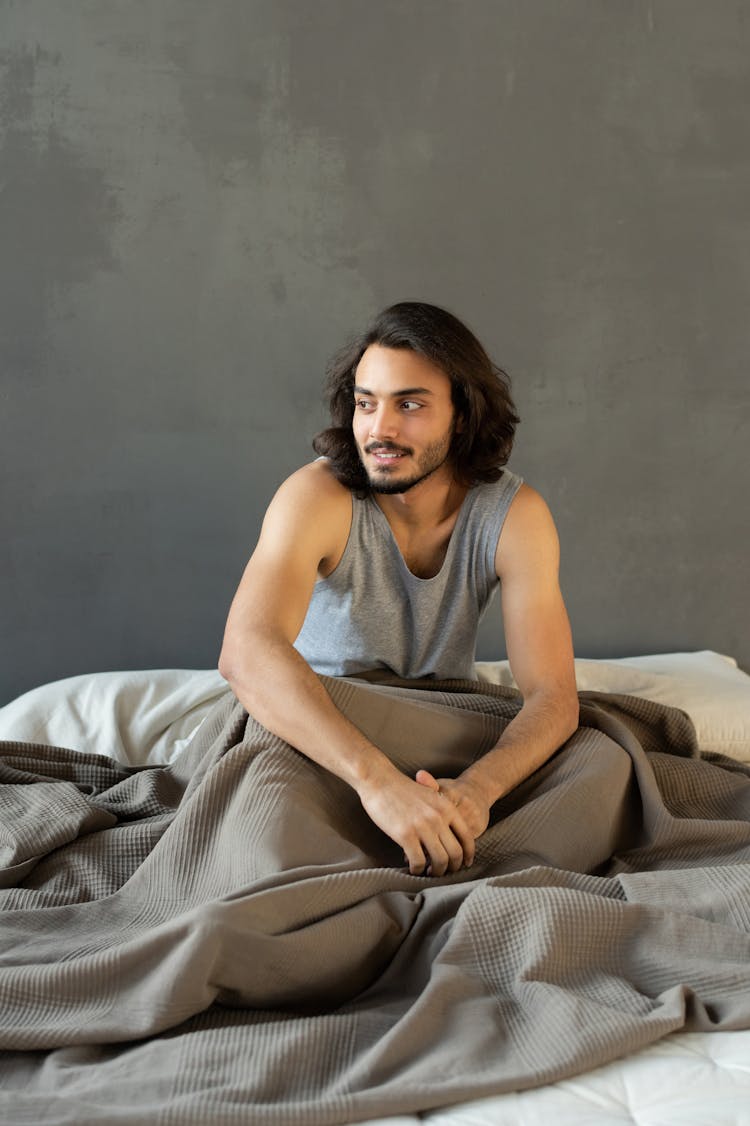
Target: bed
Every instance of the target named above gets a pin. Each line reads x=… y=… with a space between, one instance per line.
x=116 y=728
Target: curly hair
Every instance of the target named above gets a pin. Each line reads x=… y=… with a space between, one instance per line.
x=480 y=392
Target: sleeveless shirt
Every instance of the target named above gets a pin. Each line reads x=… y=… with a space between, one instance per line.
x=372 y=612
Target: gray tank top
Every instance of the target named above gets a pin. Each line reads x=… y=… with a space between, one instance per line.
x=371 y=612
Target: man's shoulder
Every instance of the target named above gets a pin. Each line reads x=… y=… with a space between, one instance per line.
x=528 y=529
x=309 y=517
x=312 y=493
x=316 y=482
x=527 y=503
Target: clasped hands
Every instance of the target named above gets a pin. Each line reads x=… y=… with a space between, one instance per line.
x=435 y=820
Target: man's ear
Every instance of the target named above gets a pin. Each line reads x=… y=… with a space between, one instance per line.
x=459 y=423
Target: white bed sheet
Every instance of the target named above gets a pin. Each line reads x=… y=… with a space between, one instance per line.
x=687 y=1079
x=148 y=717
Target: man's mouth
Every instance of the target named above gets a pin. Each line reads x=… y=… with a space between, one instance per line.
x=386 y=455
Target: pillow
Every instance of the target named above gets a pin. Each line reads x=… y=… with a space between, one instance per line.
x=137 y=718
x=710 y=687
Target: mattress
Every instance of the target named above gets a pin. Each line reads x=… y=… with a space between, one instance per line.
x=150 y=716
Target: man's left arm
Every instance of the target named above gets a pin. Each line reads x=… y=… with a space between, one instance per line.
x=540 y=652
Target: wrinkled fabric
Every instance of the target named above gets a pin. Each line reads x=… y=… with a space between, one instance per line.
x=230 y=939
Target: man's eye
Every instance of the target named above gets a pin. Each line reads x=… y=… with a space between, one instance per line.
x=408 y=405
x=362 y=404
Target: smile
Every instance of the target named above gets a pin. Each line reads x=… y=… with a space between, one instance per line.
x=383 y=456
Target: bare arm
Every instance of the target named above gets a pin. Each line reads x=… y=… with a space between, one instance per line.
x=301 y=531
x=540 y=651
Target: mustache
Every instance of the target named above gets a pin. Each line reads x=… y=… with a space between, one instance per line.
x=371 y=446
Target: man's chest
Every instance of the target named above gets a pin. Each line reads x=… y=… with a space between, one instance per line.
x=423 y=554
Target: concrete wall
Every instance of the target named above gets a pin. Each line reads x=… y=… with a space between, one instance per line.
x=200 y=202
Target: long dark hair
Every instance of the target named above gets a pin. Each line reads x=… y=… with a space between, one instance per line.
x=480 y=392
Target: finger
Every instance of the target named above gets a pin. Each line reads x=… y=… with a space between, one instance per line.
x=446 y=856
x=455 y=852
x=455 y=840
x=416 y=859
x=439 y=858
x=426 y=779
x=465 y=838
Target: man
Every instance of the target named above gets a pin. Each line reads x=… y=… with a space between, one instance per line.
x=382 y=554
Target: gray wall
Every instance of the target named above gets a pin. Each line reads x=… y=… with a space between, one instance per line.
x=199 y=202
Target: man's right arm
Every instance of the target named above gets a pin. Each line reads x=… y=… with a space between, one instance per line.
x=303 y=528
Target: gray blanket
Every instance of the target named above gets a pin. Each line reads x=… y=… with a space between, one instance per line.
x=230 y=939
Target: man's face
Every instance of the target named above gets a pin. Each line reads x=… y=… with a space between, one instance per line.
x=403 y=418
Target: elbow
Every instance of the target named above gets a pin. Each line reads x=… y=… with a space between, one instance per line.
x=572 y=727
x=225 y=667
x=570 y=714
x=230 y=662
x=235 y=670
x=247 y=663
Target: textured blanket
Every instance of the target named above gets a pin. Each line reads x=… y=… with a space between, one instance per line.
x=230 y=940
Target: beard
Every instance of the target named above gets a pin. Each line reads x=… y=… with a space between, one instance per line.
x=430 y=460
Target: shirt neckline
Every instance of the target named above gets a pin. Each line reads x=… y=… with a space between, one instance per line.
x=452 y=540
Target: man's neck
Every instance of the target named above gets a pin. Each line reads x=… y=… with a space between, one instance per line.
x=427 y=505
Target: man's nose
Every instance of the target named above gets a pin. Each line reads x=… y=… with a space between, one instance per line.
x=384 y=422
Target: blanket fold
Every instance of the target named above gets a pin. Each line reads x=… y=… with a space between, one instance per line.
x=231 y=931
